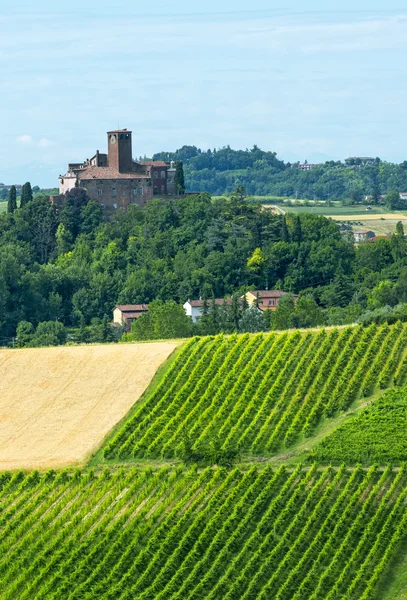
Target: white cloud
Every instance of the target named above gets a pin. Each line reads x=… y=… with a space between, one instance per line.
x=44 y=143
x=25 y=139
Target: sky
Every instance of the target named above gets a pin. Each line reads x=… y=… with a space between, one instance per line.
x=303 y=80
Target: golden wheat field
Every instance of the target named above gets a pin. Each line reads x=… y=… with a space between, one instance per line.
x=58 y=404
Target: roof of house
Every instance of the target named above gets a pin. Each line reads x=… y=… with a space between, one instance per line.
x=363 y=232
x=128 y=308
x=268 y=293
x=109 y=173
x=218 y=301
x=153 y=163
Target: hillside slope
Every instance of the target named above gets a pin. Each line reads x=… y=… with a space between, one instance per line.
x=302 y=534
x=377 y=435
x=257 y=394
x=57 y=404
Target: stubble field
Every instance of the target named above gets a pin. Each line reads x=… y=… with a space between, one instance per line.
x=58 y=404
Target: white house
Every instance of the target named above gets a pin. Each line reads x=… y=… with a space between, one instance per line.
x=193 y=308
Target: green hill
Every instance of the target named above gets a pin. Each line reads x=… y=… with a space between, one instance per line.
x=128 y=533
x=376 y=435
x=257 y=394
x=189 y=498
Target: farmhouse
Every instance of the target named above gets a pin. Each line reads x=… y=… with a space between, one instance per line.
x=363 y=236
x=115 y=180
x=193 y=308
x=125 y=314
x=266 y=299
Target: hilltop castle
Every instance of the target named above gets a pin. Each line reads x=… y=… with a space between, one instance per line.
x=115 y=180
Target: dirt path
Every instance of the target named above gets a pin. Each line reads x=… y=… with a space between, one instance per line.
x=58 y=404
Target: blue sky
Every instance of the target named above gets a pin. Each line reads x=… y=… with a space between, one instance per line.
x=300 y=79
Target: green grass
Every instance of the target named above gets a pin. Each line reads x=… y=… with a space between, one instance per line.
x=376 y=436
x=3 y=207
x=335 y=210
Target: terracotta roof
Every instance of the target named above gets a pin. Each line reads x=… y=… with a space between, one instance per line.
x=132 y=307
x=109 y=173
x=218 y=301
x=153 y=163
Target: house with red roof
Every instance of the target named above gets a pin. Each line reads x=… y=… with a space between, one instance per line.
x=125 y=314
x=266 y=299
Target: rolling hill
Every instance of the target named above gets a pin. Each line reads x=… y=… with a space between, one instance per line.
x=199 y=490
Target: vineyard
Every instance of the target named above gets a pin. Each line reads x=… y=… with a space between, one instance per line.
x=190 y=523
x=257 y=394
x=376 y=435
x=133 y=534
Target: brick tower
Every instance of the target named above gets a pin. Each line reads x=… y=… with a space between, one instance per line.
x=120 y=150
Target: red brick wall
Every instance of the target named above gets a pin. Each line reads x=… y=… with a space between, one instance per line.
x=159 y=182
x=124 y=192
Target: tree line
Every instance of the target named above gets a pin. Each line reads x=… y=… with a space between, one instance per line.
x=221 y=171
x=70 y=266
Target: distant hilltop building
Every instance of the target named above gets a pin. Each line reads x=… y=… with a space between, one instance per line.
x=308 y=166
x=358 y=161
x=115 y=180
x=18 y=187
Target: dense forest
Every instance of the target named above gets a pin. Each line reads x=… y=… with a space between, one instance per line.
x=69 y=268
x=262 y=173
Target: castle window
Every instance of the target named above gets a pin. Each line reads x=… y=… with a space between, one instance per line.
x=155 y=175
x=134 y=191
x=141 y=191
x=114 y=192
x=114 y=205
x=62 y=181
x=162 y=174
x=100 y=192
x=123 y=193
x=155 y=190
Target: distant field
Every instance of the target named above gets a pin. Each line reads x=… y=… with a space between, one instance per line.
x=57 y=404
x=335 y=211
x=3 y=206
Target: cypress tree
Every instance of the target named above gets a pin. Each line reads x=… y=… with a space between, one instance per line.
x=285 y=236
x=179 y=179
x=297 y=234
x=26 y=194
x=245 y=304
x=12 y=199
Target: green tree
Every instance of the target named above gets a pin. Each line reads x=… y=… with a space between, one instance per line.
x=307 y=313
x=24 y=335
x=26 y=194
x=106 y=330
x=282 y=317
x=252 y=321
x=285 y=236
x=12 y=200
x=297 y=233
x=164 y=320
x=398 y=243
x=48 y=333
x=383 y=294
x=179 y=178
x=394 y=202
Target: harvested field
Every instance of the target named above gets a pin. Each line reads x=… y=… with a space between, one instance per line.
x=58 y=404
x=370 y=217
